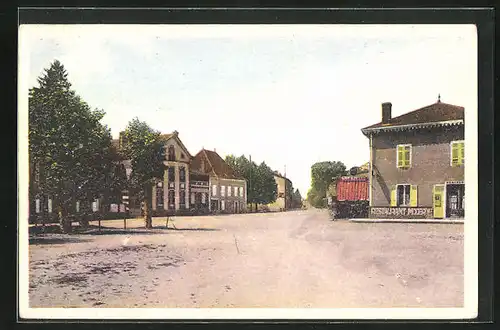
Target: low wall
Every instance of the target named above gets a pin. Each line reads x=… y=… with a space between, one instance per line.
x=401 y=212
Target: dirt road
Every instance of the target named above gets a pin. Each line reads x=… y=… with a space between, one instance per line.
x=291 y=259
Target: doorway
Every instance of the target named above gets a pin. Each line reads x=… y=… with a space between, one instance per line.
x=438 y=201
x=455 y=200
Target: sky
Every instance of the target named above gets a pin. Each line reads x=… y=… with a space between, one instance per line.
x=289 y=95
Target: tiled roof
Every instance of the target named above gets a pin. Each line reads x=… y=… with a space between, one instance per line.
x=437 y=112
x=216 y=165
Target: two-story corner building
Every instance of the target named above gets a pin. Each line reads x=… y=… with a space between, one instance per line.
x=228 y=192
x=283 y=200
x=417 y=163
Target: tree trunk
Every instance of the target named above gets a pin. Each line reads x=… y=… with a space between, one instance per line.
x=148 y=221
x=64 y=221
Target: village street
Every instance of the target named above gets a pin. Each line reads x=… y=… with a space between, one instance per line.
x=290 y=259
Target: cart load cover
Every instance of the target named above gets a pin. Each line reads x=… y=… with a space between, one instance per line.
x=352 y=189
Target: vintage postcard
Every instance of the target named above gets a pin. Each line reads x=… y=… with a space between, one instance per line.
x=248 y=171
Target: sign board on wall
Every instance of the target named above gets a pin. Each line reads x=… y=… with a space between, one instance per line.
x=401 y=212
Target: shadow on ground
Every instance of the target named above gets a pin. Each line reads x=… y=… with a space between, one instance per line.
x=42 y=240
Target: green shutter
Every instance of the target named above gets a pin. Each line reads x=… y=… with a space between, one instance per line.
x=413 y=196
x=461 y=153
x=455 y=157
x=393 y=196
x=407 y=156
x=400 y=156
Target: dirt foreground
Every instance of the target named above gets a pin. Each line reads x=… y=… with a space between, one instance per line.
x=291 y=259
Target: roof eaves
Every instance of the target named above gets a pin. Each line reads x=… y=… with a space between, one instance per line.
x=377 y=129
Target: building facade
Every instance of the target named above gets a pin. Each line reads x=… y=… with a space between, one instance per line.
x=417 y=163
x=227 y=192
x=283 y=193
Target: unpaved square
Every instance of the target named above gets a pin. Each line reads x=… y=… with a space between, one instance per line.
x=290 y=259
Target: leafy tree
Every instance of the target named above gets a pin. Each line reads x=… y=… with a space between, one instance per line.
x=297 y=199
x=261 y=186
x=323 y=174
x=266 y=187
x=144 y=148
x=69 y=149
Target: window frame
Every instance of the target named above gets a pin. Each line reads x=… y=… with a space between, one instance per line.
x=451 y=153
x=397 y=156
x=408 y=204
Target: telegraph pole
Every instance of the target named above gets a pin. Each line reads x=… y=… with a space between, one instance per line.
x=250 y=180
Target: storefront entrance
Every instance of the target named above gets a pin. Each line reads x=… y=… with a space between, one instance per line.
x=455 y=200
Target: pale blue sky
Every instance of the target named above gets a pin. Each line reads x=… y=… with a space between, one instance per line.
x=287 y=95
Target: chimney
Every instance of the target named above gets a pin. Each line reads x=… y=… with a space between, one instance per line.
x=386 y=112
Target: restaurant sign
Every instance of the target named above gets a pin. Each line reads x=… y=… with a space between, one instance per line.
x=401 y=212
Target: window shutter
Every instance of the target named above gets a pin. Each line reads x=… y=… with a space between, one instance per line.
x=406 y=156
x=461 y=153
x=400 y=156
x=413 y=196
x=393 y=196
x=454 y=154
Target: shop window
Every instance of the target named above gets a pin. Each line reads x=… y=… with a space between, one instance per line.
x=403 y=156
x=457 y=153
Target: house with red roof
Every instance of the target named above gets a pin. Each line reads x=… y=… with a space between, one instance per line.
x=228 y=191
x=417 y=163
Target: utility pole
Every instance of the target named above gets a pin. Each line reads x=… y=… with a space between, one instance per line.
x=250 y=180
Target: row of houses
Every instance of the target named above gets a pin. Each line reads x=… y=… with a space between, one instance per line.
x=416 y=165
x=202 y=183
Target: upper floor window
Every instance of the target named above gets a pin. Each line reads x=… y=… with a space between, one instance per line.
x=403 y=156
x=171 y=174
x=214 y=190
x=229 y=191
x=241 y=191
x=223 y=191
x=457 y=153
x=171 y=153
x=182 y=174
x=235 y=191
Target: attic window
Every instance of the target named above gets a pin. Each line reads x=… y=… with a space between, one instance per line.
x=171 y=153
x=182 y=156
